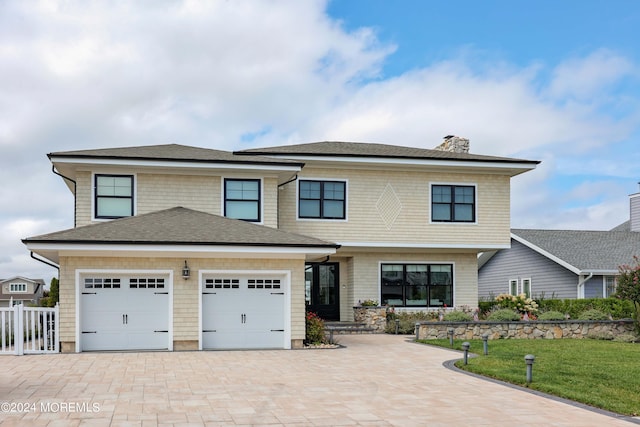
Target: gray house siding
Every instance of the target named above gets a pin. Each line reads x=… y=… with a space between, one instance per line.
x=520 y=262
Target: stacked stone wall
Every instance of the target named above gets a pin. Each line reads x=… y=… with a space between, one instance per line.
x=526 y=330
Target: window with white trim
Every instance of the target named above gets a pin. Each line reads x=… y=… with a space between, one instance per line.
x=18 y=287
x=113 y=196
x=609 y=286
x=520 y=286
x=453 y=203
x=242 y=199
x=322 y=199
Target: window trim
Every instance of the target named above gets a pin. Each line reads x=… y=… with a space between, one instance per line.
x=321 y=218
x=18 y=291
x=519 y=282
x=604 y=285
x=94 y=191
x=260 y=182
x=454 y=184
x=404 y=263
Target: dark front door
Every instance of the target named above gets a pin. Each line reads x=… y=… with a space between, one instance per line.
x=323 y=290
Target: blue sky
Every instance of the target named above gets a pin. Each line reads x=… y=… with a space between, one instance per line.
x=556 y=81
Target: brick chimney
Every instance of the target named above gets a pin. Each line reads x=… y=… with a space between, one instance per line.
x=454 y=144
x=634 y=207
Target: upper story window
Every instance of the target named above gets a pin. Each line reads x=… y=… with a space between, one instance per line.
x=113 y=196
x=453 y=203
x=18 y=287
x=242 y=199
x=322 y=199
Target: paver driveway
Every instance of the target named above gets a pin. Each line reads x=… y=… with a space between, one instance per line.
x=377 y=380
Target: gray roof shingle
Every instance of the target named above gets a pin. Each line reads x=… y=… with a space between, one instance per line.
x=586 y=250
x=180 y=226
x=361 y=149
x=171 y=152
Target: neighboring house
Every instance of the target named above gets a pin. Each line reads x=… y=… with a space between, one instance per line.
x=561 y=263
x=20 y=290
x=179 y=247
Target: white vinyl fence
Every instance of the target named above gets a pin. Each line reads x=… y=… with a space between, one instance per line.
x=29 y=330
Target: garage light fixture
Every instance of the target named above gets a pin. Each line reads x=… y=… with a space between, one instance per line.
x=185 y=271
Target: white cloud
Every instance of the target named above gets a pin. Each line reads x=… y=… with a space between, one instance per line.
x=210 y=73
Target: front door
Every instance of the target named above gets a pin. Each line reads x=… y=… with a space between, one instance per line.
x=323 y=290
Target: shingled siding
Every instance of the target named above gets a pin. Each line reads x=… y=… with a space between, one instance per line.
x=185 y=292
x=374 y=195
x=364 y=280
x=520 y=262
x=154 y=192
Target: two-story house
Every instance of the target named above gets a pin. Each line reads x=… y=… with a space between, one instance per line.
x=20 y=290
x=179 y=247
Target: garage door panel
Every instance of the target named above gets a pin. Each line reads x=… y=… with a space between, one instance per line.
x=245 y=312
x=126 y=313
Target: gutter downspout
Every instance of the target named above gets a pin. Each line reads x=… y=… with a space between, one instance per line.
x=581 y=285
x=75 y=198
x=295 y=178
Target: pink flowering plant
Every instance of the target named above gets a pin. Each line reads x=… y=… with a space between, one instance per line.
x=628 y=286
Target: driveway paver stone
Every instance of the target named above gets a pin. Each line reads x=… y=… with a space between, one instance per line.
x=376 y=380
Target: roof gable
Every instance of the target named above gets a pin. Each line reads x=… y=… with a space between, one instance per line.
x=582 y=251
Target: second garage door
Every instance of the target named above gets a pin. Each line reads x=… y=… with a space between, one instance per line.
x=243 y=312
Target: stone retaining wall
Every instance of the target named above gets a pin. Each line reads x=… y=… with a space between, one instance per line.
x=372 y=317
x=527 y=330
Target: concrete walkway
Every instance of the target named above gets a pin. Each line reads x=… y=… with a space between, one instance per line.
x=377 y=380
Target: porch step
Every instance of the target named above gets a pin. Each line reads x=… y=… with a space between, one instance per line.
x=345 y=328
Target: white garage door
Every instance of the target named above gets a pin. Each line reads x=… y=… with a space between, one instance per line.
x=243 y=312
x=124 y=313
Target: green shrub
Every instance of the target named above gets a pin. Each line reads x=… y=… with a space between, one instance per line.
x=314 y=329
x=593 y=314
x=486 y=306
x=503 y=315
x=551 y=315
x=407 y=324
x=619 y=309
x=369 y=303
x=457 y=316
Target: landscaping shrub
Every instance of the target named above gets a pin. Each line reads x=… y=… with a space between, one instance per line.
x=486 y=306
x=593 y=314
x=457 y=316
x=551 y=315
x=503 y=315
x=408 y=321
x=314 y=329
x=520 y=303
x=369 y=303
x=618 y=308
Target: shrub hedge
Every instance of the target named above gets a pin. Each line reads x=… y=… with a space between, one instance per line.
x=619 y=309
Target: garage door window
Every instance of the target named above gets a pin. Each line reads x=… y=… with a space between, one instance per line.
x=144 y=283
x=263 y=284
x=101 y=283
x=222 y=283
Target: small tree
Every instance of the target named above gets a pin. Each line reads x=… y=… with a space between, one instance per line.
x=51 y=297
x=629 y=286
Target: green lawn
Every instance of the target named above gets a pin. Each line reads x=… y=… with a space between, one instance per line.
x=604 y=374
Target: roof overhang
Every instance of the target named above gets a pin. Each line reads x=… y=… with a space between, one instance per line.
x=54 y=251
x=346 y=247
x=486 y=166
x=69 y=165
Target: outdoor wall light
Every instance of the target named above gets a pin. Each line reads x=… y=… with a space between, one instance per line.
x=186 y=272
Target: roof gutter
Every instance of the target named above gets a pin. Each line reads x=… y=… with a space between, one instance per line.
x=75 y=186
x=57 y=267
